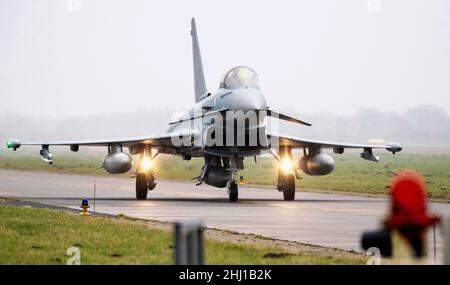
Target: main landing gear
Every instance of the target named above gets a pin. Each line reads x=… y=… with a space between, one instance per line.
x=145 y=176
x=144 y=182
x=286 y=175
x=286 y=184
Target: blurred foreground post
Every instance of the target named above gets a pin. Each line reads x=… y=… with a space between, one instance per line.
x=404 y=231
x=446 y=224
x=189 y=243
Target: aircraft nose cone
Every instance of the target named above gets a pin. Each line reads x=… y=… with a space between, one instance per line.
x=249 y=100
x=257 y=103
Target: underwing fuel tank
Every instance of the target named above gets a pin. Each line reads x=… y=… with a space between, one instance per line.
x=217 y=176
x=118 y=162
x=317 y=164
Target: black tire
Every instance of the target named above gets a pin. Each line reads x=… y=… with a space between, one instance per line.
x=233 y=192
x=289 y=187
x=141 y=186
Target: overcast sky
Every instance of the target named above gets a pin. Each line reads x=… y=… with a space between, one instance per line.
x=311 y=56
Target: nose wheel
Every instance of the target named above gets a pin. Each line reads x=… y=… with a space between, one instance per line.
x=233 y=191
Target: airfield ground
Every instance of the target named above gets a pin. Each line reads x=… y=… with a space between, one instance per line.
x=326 y=220
x=352 y=175
x=30 y=235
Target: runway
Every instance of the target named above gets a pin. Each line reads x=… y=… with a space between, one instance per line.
x=321 y=219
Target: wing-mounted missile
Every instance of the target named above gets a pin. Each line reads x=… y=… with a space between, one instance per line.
x=13 y=143
x=367 y=154
x=46 y=155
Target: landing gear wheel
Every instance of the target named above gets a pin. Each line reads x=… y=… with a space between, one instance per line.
x=289 y=187
x=141 y=186
x=151 y=182
x=233 y=191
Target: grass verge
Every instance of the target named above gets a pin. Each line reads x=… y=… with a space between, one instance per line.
x=42 y=236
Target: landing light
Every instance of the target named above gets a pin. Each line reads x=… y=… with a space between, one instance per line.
x=376 y=141
x=146 y=163
x=287 y=165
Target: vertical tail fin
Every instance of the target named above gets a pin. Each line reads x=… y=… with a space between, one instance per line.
x=199 y=76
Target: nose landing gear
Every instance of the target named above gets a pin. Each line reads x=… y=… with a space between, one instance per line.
x=233 y=192
x=235 y=163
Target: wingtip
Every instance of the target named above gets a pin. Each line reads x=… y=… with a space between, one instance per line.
x=13 y=143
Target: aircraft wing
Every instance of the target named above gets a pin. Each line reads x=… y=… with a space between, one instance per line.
x=159 y=140
x=338 y=147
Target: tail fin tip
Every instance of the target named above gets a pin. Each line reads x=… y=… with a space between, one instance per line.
x=193 y=26
x=199 y=77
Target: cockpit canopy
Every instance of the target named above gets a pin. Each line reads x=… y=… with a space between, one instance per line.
x=240 y=77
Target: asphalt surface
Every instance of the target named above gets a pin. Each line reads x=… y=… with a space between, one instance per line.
x=321 y=219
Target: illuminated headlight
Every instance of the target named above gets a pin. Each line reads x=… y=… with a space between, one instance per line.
x=146 y=163
x=287 y=165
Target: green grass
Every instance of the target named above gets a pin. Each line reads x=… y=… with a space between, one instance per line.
x=42 y=236
x=352 y=173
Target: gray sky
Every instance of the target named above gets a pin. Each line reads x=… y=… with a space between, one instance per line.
x=311 y=56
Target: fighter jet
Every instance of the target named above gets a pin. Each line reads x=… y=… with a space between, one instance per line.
x=223 y=127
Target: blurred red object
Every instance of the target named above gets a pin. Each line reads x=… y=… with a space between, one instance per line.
x=408 y=194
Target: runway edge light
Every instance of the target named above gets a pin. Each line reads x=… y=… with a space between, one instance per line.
x=84 y=206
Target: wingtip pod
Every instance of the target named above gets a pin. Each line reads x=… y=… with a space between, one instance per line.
x=394 y=147
x=13 y=143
